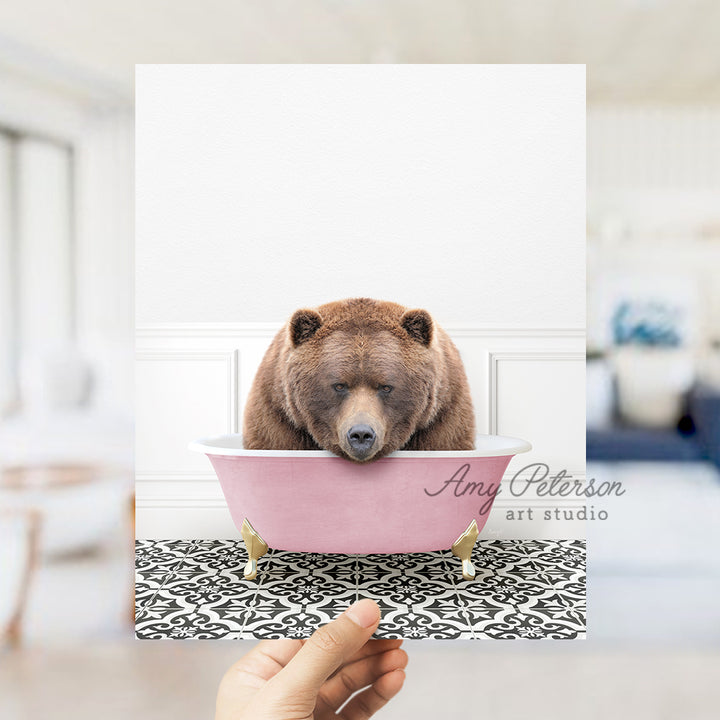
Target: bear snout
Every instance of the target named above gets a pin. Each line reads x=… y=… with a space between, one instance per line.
x=361 y=438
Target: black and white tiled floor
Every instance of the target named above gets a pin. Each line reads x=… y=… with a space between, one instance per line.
x=523 y=589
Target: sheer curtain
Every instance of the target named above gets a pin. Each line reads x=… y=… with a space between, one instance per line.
x=37 y=265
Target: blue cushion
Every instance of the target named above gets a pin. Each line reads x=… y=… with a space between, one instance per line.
x=625 y=443
x=704 y=405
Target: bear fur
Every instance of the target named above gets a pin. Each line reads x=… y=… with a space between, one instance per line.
x=361 y=364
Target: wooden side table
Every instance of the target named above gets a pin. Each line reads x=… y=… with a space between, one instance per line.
x=23 y=528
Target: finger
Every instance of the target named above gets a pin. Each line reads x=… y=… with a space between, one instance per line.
x=327 y=649
x=375 y=647
x=265 y=660
x=281 y=651
x=278 y=653
x=369 y=701
x=358 y=675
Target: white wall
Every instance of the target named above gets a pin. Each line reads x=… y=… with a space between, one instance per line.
x=262 y=189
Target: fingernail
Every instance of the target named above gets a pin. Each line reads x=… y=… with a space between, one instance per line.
x=364 y=613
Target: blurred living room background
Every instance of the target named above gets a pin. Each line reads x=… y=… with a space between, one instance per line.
x=653 y=332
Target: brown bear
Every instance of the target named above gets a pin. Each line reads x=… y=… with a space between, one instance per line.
x=360 y=378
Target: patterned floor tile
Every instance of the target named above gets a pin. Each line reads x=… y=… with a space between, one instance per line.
x=191 y=624
x=300 y=589
x=487 y=613
x=530 y=627
x=429 y=627
x=523 y=589
x=218 y=622
x=558 y=608
x=382 y=565
x=274 y=619
x=339 y=568
x=407 y=590
x=156 y=556
x=505 y=589
x=204 y=558
x=208 y=589
x=165 y=618
x=497 y=554
x=438 y=567
x=388 y=606
x=334 y=605
x=398 y=623
x=146 y=586
x=443 y=614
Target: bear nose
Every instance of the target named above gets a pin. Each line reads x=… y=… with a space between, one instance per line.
x=361 y=437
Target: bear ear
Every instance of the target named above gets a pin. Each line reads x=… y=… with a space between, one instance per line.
x=303 y=325
x=419 y=325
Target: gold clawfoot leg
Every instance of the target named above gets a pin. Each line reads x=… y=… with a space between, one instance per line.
x=256 y=548
x=463 y=547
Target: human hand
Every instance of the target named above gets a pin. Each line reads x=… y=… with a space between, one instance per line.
x=313 y=678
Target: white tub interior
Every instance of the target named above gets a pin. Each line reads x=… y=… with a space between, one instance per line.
x=485 y=446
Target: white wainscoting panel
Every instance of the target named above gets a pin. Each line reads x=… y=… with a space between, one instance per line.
x=540 y=395
x=181 y=395
x=193 y=380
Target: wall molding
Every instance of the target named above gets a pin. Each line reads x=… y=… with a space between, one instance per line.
x=231 y=359
x=175 y=477
x=189 y=502
x=495 y=358
x=254 y=330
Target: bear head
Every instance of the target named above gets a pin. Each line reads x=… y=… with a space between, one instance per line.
x=361 y=376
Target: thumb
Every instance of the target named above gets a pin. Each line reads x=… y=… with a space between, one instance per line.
x=327 y=649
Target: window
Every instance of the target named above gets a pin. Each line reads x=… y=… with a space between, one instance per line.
x=37 y=266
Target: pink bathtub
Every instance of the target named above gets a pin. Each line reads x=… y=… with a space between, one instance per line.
x=314 y=501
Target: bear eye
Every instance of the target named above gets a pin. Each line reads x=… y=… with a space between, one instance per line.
x=339 y=387
x=386 y=389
